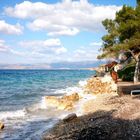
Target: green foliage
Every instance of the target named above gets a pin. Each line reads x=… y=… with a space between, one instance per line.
x=123 y=33
x=126 y=21
x=127 y=73
x=138 y=1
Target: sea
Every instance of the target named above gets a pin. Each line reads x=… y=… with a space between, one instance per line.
x=23 y=109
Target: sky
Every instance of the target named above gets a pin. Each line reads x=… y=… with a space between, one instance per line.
x=47 y=31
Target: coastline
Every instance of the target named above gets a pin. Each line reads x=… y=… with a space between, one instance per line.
x=108 y=116
x=95 y=103
x=70 y=70
x=25 y=115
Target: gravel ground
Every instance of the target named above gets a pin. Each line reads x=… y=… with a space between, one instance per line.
x=108 y=118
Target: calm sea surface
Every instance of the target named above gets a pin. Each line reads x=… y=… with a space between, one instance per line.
x=22 y=106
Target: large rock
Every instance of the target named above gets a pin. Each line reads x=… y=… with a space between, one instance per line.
x=64 y=103
x=1 y=125
x=52 y=101
x=73 y=97
x=98 y=85
x=70 y=117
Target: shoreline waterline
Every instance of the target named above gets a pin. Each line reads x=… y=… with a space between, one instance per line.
x=25 y=93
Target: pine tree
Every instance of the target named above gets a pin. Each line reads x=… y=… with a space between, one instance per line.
x=138 y=2
x=123 y=34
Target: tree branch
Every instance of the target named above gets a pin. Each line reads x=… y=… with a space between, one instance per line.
x=133 y=55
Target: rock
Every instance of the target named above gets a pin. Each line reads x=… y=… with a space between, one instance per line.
x=117 y=119
x=70 y=117
x=73 y=97
x=65 y=105
x=1 y=125
x=52 y=101
x=98 y=85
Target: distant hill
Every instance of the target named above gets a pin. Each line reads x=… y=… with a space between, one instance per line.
x=76 y=65
x=59 y=65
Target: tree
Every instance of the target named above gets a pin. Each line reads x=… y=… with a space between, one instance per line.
x=123 y=34
x=138 y=1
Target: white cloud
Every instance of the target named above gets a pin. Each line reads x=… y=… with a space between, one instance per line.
x=60 y=50
x=28 y=9
x=44 y=46
x=19 y=53
x=50 y=50
x=41 y=43
x=85 y=54
x=53 y=50
x=96 y=44
x=3 y=47
x=10 y=29
x=7 y=49
x=53 y=29
x=63 y=18
x=70 y=32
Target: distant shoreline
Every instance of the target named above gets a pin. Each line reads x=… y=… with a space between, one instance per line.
x=52 y=69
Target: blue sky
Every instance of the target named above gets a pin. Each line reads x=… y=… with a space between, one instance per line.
x=49 y=31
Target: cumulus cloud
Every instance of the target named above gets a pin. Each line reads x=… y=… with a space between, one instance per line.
x=44 y=46
x=68 y=31
x=38 y=49
x=63 y=18
x=53 y=29
x=85 y=54
x=47 y=49
x=41 y=43
x=10 y=29
x=50 y=50
x=3 y=46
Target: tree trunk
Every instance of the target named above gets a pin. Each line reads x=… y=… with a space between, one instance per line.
x=137 y=67
x=137 y=71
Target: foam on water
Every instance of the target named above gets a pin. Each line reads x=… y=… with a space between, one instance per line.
x=68 y=90
x=43 y=104
x=65 y=91
x=79 y=105
x=12 y=114
x=82 y=83
x=35 y=85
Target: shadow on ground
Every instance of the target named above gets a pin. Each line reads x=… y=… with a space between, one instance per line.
x=101 y=125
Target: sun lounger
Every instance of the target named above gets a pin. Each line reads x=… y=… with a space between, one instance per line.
x=134 y=91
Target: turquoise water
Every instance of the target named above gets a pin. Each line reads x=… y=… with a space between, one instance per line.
x=21 y=93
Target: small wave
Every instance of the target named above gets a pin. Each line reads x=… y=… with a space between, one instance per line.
x=68 y=90
x=43 y=103
x=79 y=106
x=12 y=114
x=82 y=83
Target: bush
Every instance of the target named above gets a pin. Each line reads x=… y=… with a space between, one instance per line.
x=127 y=73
